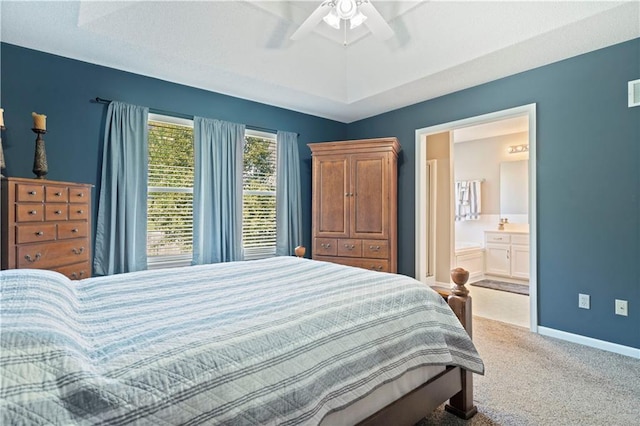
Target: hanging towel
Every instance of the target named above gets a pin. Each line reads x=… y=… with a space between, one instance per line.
x=468 y=195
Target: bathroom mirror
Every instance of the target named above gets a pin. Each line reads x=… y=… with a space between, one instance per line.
x=514 y=191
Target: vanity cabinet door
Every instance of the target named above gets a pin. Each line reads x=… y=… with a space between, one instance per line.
x=519 y=261
x=497 y=260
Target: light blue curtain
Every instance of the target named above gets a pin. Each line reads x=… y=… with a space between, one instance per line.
x=121 y=229
x=217 y=191
x=288 y=205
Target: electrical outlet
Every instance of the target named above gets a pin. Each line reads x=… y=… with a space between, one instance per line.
x=621 y=307
x=584 y=301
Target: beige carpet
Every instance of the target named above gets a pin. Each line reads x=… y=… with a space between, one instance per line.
x=536 y=380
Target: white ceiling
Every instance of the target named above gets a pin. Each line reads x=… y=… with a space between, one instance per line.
x=242 y=48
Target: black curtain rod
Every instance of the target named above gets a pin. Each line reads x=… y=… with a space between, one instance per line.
x=189 y=117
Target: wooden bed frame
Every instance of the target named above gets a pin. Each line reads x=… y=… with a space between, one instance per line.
x=454 y=384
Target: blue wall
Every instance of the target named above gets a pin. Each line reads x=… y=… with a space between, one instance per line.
x=588 y=179
x=63 y=88
x=588 y=159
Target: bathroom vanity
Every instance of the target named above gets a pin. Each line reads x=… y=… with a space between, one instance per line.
x=507 y=253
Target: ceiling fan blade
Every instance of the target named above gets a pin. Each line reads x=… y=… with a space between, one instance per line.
x=375 y=22
x=313 y=20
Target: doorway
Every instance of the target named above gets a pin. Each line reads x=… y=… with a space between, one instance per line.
x=445 y=231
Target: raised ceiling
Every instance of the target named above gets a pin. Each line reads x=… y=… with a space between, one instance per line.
x=242 y=48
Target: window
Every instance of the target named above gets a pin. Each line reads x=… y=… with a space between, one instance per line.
x=259 y=195
x=170 y=192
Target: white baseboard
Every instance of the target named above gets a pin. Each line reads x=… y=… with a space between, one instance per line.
x=588 y=341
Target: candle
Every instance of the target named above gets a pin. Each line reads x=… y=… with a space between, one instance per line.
x=2 y=117
x=39 y=121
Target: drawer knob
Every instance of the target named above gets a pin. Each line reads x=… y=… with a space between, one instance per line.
x=349 y=247
x=325 y=245
x=33 y=212
x=74 y=230
x=58 y=211
x=374 y=248
x=78 y=251
x=80 y=211
x=75 y=275
x=39 y=233
x=32 y=192
x=80 y=194
x=30 y=259
x=376 y=268
x=58 y=194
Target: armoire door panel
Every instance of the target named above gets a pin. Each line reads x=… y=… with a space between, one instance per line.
x=369 y=204
x=332 y=188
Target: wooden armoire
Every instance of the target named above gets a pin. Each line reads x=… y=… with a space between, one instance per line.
x=355 y=203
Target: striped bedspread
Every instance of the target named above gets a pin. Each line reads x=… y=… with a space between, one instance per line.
x=275 y=341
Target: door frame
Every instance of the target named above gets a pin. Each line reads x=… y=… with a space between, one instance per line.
x=422 y=202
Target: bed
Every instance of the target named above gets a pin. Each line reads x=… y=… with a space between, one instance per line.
x=276 y=341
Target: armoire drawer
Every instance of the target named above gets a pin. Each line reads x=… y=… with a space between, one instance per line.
x=350 y=248
x=358 y=262
x=325 y=246
x=378 y=249
x=373 y=264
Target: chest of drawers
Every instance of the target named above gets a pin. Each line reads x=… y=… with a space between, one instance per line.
x=46 y=225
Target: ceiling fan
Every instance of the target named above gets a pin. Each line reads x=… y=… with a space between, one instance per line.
x=352 y=12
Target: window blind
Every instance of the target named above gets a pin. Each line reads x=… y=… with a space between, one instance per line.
x=259 y=197
x=170 y=194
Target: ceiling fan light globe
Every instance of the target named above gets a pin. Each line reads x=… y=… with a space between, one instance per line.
x=332 y=19
x=357 y=20
x=346 y=9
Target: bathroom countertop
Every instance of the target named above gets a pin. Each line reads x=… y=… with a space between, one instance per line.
x=517 y=230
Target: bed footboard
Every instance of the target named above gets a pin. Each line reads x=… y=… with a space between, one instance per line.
x=461 y=404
